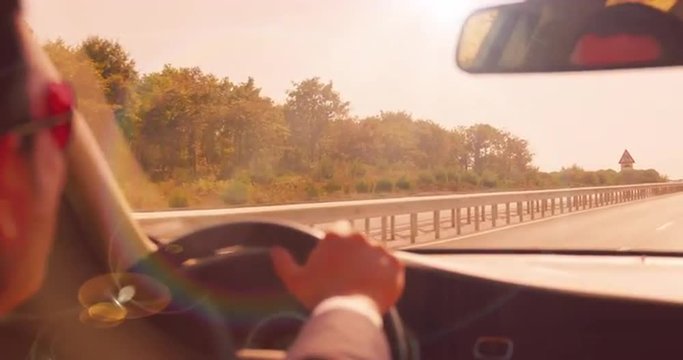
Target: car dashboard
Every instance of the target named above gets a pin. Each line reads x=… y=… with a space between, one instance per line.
x=456 y=316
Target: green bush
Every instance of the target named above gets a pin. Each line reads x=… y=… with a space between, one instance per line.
x=489 y=180
x=262 y=174
x=178 y=200
x=425 y=180
x=332 y=187
x=358 y=170
x=384 y=185
x=440 y=177
x=362 y=187
x=236 y=193
x=312 y=192
x=453 y=177
x=204 y=186
x=182 y=175
x=470 y=178
x=403 y=184
x=325 y=169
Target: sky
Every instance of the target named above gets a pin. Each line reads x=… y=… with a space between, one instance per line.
x=392 y=55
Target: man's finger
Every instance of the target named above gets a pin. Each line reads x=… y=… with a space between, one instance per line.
x=285 y=265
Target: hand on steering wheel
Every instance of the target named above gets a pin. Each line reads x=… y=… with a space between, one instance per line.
x=342 y=265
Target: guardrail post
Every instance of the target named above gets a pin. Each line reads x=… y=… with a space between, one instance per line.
x=520 y=211
x=437 y=224
x=533 y=209
x=367 y=226
x=452 y=218
x=457 y=221
x=494 y=214
x=552 y=206
x=476 y=218
x=413 y=228
x=562 y=200
x=483 y=213
x=469 y=215
x=384 y=229
x=392 y=233
x=507 y=213
x=544 y=204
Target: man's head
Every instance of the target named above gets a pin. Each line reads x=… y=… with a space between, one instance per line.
x=34 y=117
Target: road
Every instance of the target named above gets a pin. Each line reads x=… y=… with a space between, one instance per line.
x=651 y=224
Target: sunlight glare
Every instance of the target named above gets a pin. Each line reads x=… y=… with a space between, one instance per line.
x=448 y=11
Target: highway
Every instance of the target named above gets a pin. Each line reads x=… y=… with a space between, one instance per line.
x=654 y=223
x=651 y=224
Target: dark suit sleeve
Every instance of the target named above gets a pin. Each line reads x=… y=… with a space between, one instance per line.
x=340 y=334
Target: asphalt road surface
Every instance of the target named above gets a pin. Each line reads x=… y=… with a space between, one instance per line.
x=650 y=224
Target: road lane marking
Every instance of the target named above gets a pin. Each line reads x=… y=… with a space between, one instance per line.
x=664 y=226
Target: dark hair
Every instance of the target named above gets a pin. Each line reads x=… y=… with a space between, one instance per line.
x=14 y=104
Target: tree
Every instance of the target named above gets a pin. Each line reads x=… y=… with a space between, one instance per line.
x=176 y=108
x=117 y=70
x=80 y=72
x=310 y=108
x=484 y=143
x=256 y=125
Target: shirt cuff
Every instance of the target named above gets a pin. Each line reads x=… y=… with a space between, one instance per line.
x=359 y=304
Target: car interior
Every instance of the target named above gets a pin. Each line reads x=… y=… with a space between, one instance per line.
x=213 y=294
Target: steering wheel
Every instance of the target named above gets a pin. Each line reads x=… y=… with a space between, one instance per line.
x=196 y=269
x=198 y=255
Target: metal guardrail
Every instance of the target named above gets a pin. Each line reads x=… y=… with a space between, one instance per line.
x=465 y=210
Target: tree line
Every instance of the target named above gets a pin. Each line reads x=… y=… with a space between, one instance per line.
x=204 y=138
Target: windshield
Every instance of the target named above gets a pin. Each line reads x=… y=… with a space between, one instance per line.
x=223 y=105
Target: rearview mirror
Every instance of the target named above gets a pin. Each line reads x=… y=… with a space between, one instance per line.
x=576 y=35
